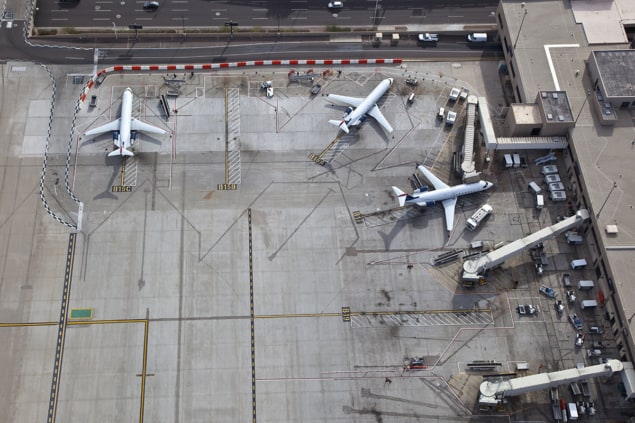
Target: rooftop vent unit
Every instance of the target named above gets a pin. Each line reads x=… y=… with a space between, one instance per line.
x=543 y=94
x=554 y=95
x=549 y=116
x=560 y=118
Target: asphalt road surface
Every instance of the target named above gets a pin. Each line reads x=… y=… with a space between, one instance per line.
x=282 y=14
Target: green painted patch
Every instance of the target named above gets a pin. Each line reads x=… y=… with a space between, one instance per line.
x=81 y=313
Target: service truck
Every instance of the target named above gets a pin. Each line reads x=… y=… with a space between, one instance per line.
x=478 y=217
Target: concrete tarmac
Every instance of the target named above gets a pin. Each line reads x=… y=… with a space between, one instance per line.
x=180 y=299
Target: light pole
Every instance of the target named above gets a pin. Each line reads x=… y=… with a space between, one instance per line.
x=521 y=26
x=606 y=199
x=115 y=28
x=588 y=93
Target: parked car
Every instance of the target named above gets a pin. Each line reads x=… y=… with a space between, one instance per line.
x=559 y=306
x=316 y=89
x=335 y=5
x=549 y=292
x=451 y=118
x=579 y=340
x=454 y=94
x=575 y=321
x=526 y=309
x=412 y=81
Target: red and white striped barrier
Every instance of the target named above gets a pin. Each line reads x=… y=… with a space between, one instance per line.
x=212 y=66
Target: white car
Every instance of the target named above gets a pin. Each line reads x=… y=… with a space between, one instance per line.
x=451 y=118
x=454 y=94
x=335 y=5
x=428 y=38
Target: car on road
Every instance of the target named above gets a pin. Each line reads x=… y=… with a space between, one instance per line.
x=412 y=81
x=559 y=306
x=151 y=5
x=334 y=5
x=428 y=38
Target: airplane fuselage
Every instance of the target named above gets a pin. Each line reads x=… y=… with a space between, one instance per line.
x=126 y=119
x=429 y=198
x=357 y=116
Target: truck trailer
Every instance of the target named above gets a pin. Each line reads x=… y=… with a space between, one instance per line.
x=475 y=220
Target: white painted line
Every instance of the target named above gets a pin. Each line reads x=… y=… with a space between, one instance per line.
x=548 y=48
x=80 y=216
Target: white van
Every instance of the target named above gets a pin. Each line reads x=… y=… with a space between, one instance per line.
x=585 y=285
x=558 y=196
x=556 y=186
x=411 y=98
x=578 y=264
x=477 y=37
x=550 y=179
x=534 y=188
x=516 y=160
x=585 y=304
x=549 y=170
x=508 y=160
x=540 y=201
x=573 y=411
x=573 y=238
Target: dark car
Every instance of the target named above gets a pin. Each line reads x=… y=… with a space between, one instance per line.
x=316 y=89
x=151 y=5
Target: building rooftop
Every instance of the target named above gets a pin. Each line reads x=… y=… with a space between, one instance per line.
x=556 y=106
x=551 y=53
x=617 y=70
x=526 y=113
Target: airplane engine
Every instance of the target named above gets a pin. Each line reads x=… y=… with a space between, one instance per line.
x=421 y=189
x=347 y=111
x=115 y=135
x=362 y=119
x=429 y=203
x=133 y=136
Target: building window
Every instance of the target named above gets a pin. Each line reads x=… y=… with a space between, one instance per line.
x=511 y=68
x=520 y=99
x=506 y=45
x=500 y=20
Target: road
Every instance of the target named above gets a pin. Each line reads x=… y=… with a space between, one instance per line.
x=223 y=49
x=272 y=13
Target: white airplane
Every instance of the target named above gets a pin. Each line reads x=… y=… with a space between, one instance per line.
x=360 y=107
x=444 y=193
x=125 y=128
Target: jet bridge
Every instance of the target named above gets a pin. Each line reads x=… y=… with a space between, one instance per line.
x=474 y=268
x=493 y=391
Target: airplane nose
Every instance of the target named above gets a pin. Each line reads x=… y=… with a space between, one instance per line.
x=390 y=79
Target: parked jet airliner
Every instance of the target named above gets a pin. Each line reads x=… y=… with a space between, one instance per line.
x=360 y=107
x=125 y=128
x=443 y=193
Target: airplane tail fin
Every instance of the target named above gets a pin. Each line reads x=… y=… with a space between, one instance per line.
x=401 y=196
x=120 y=152
x=340 y=124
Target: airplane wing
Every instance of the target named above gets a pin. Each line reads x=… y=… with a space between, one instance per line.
x=436 y=182
x=137 y=125
x=344 y=100
x=449 y=206
x=376 y=114
x=109 y=127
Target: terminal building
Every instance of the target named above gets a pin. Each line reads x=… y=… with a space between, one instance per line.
x=569 y=72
